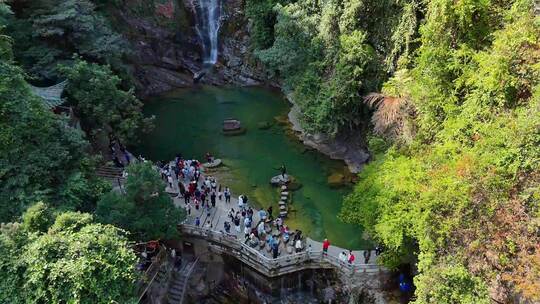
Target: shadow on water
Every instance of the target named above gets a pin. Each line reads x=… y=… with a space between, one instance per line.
x=189 y=121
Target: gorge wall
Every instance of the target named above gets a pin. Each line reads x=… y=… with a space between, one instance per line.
x=169 y=52
x=166 y=48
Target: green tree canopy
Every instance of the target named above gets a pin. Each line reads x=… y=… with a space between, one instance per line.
x=51 y=31
x=331 y=53
x=83 y=263
x=101 y=103
x=146 y=210
x=41 y=158
x=461 y=179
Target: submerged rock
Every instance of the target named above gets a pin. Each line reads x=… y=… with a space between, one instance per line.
x=336 y=180
x=264 y=125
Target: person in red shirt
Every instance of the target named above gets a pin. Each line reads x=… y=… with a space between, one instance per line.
x=351 y=257
x=325 y=245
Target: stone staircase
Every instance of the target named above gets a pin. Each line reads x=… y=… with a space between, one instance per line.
x=178 y=282
x=536 y=7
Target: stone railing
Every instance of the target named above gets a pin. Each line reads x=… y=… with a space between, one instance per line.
x=287 y=263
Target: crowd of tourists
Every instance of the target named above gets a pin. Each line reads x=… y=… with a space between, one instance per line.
x=201 y=194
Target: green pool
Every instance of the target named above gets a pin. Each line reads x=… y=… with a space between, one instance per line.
x=189 y=121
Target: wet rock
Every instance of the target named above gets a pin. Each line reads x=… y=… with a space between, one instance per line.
x=348 y=146
x=336 y=180
x=164 y=58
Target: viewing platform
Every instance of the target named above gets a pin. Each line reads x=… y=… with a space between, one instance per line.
x=225 y=243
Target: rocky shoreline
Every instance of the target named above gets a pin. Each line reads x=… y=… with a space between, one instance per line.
x=164 y=59
x=347 y=147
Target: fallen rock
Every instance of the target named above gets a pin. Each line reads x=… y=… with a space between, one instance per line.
x=336 y=180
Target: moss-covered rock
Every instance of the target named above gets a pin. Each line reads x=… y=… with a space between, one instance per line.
x=336 y=180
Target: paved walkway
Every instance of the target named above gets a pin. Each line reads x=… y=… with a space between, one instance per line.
x=219 y=215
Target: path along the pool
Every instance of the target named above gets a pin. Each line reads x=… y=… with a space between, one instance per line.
x=219 y=215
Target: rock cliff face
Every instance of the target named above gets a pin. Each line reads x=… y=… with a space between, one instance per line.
x=165 y=57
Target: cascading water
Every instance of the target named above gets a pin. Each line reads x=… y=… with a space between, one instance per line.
x=208 y=14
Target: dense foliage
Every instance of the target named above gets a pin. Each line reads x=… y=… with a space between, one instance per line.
x=50 y=252
x=459 y=183
x=146 y=210
x=41 y=158
x=328 y=54
x=104 y=107
x=75 y=261
x=49 y=32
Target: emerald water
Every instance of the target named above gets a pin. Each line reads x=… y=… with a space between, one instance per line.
x=189 y=122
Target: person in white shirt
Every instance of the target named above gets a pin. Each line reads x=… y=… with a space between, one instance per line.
x=298 y=245
x=343 y=257
x=241 y=202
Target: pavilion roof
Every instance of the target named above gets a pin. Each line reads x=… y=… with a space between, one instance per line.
x=51 y=96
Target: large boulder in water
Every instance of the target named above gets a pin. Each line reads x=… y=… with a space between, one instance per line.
x=336 y=180
x=280 y=180
x=215 y=163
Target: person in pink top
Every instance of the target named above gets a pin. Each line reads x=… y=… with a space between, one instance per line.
x=325 y=245
x=351 y=257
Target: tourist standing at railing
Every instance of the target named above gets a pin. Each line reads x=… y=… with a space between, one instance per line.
x=275 y=250
x=351 y=257
x=227 y=194
x=367 y=255
x=298 y=245
x=237 y=223
x=325 y=245
x=343 y=257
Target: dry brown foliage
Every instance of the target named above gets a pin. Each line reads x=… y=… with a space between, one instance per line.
x=503 y=246
x=389 y=116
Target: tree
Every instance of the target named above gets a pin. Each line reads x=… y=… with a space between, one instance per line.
x=146 y=210
x=450 y=284
x=77 y=261
x=51 y=31
x=37 y=218
x=102 y=105
x=40 y=156
x=462 y=188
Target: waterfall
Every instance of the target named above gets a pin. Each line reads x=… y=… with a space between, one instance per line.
x=208 y=14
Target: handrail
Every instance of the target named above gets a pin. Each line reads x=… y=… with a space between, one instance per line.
x=270 y=265
x=155 y=264
x=187 y=279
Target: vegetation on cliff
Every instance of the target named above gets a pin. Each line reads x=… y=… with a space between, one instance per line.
x=456 y=122
x=53 y=249
x=64 y=258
